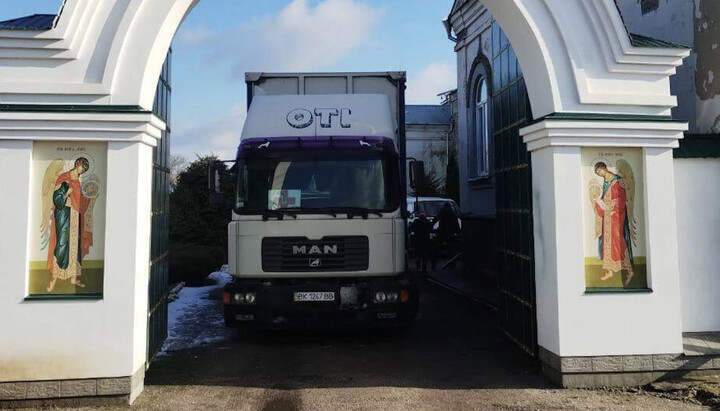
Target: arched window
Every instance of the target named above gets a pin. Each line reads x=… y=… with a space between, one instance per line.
x=482 y=128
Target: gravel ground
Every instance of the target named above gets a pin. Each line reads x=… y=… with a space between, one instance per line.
x=452 y=359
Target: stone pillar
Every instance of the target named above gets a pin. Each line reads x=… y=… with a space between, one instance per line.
x=594 y=332
x=70 y=347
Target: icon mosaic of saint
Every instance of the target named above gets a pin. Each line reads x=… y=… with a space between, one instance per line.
x=615 y=225
x=67 y=219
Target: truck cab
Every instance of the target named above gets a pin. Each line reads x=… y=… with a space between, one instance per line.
x=318 y=230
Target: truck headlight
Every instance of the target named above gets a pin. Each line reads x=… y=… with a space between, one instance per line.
x=244 y=298
x=380 y=297
x=392 y=297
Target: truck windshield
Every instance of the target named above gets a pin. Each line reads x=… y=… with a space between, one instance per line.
x=330 y=183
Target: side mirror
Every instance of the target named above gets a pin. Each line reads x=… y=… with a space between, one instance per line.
x=214 y=185
x=214 y=177
x=417 y=174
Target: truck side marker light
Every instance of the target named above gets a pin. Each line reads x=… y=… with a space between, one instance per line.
x=404 y=296
x=226 y=298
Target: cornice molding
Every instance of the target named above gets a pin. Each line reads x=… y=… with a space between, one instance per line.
x=599 y=132
x=67 y=125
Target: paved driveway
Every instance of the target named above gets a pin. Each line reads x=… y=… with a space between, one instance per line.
x=452 y=359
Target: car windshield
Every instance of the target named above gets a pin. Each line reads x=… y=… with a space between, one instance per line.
x=432 y=208
x=328 y=182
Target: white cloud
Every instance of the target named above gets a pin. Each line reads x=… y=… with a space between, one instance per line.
x=301 y=37
x=193 y=36
x=219 y=135
x=433 y=79
x=305 y=38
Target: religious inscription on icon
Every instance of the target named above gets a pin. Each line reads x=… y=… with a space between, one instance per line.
x=614 y=219
x=68 y=219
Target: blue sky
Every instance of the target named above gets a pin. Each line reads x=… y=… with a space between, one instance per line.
x=222 y=39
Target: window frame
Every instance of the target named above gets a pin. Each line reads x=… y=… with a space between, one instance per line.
x=481 y=114
x=475 y=142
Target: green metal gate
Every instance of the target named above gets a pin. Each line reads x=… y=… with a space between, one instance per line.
x=159 y=248
x=515 y=259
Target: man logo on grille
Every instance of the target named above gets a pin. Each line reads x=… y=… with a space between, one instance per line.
x=315 y=250
x=315 y=263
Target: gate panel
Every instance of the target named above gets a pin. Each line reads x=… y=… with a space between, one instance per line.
x=159 y=248
x=512 y=169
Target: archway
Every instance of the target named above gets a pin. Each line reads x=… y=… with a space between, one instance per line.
x=93 y=78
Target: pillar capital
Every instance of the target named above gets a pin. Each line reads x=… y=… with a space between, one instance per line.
x=603 y=130
x=80 y=123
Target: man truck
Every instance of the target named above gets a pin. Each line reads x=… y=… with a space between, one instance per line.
x=318 y=228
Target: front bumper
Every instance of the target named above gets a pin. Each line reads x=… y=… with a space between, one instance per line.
x=274 y=305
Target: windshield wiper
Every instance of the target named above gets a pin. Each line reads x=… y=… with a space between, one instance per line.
x=279 y=214
x=353 y=212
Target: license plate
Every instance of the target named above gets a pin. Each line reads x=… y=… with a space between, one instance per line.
x=314 y=296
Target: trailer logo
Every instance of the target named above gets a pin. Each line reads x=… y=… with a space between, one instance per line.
x=315 y=250
x=301 y=118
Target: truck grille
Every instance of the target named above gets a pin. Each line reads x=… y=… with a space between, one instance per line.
x=298 y=254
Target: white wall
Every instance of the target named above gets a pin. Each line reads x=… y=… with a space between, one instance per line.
x=56 y=340
x=573 y=323
x=429 y=143
x=698 y=218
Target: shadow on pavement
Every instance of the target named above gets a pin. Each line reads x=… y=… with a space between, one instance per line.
x=454 y=344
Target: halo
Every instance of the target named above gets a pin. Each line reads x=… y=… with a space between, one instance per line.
x=90 y=159
x=607 y=162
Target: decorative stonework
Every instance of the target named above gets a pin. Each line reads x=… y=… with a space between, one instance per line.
x=621 y=370
x=637 y=363
x=18 y=392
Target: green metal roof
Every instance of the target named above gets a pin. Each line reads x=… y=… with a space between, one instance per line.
x=604 y=117
x=71 y=108
x=427 y=114
x=699 y=146
x=34 y=22
x=37 y=22
x=638 y=40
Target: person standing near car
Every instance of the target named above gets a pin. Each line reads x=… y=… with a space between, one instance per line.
x=448 y=228
x=422 y=229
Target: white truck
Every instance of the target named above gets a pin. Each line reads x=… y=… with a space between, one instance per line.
x=318 y=230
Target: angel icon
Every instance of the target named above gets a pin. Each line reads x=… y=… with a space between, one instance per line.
x=67 y=219
x=615 y=224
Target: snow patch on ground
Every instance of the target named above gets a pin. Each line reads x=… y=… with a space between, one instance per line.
x=195 y=318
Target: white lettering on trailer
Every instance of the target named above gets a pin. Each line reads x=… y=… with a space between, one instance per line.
x=345 y=117
x=326 y=115
x=301 y=118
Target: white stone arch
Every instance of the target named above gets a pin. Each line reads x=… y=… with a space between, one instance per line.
x=111 y=52
x=92 y=77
